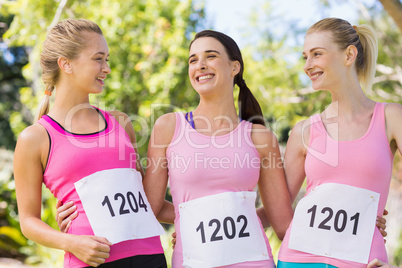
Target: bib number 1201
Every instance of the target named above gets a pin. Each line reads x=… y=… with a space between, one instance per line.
x=340 y=221
x=229 y=228
x=132 y=202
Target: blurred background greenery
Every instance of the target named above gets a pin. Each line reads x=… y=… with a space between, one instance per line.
x=148 y=42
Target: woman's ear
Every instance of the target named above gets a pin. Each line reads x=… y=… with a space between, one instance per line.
x=236 y=68
x=351 y=54
x=65 y=65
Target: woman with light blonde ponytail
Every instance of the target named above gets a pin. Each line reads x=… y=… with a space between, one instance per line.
x=87 y=158
x=345 y=154
x=44 y=104
x=370 y=49
x=63 y=40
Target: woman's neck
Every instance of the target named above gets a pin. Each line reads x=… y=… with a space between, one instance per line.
x=69 y=102
x=216 y=113
x=215 y=108
x=349 y=103
x=348 y=98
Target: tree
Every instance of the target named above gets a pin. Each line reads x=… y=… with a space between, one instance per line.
x=12 y=60
x=274 y=72
x=388 y=81
x=394 y=9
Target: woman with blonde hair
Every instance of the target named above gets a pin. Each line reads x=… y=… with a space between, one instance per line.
x=346 y=152
x=85 y=155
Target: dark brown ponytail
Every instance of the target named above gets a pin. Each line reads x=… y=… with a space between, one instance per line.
x=249 y=107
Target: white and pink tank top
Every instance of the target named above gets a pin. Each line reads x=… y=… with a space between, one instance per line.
x=212 y=181
x=347 y=187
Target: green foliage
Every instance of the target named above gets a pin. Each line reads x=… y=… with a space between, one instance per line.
x=398 y=252
x=11 y=239
x=388 y=80
x=273 y=71
x=12 y=59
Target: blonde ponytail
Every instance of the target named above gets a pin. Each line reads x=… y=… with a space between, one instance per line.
x=44 y=103
x=66 y=39
x=370 y=53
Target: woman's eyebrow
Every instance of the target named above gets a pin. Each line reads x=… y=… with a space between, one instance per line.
x=206 y=51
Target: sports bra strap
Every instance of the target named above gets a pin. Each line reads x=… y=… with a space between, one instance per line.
x=190 y=119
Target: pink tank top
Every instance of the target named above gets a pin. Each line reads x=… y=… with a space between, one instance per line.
x=74 y=156
x=364 y=163
x=201 y=165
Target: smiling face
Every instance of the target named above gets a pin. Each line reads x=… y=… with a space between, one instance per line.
x=210 y=67
x=325 y=62
x=90 y=68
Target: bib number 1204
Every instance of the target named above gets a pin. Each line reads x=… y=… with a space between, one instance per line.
x=340 y=221
x=132 y=202
x=229 y=228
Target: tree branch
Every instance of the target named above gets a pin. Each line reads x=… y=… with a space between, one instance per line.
x=59 y=10
x=394 y=9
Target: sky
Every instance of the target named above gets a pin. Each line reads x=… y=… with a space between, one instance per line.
x=232 y=16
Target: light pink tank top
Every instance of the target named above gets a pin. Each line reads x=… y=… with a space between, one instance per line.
x=74 y=156
x=202 y=165
x=365 y=163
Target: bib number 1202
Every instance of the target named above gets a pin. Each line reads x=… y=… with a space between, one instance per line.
x=229 y=228
x=132 y=202
x=340 y=221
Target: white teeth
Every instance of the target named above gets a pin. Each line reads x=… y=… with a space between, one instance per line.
x=316 y=75
x=205 y=77
x=101 y=79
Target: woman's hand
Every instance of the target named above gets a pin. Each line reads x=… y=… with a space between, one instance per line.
x=263 y=217
x=173 y=240
x=92 y=250
x=65 y=214
x=377 y=263
x=381 y=223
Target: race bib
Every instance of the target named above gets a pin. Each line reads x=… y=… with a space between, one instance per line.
x=116 y=206
x=221 y=229
x=336 y=221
